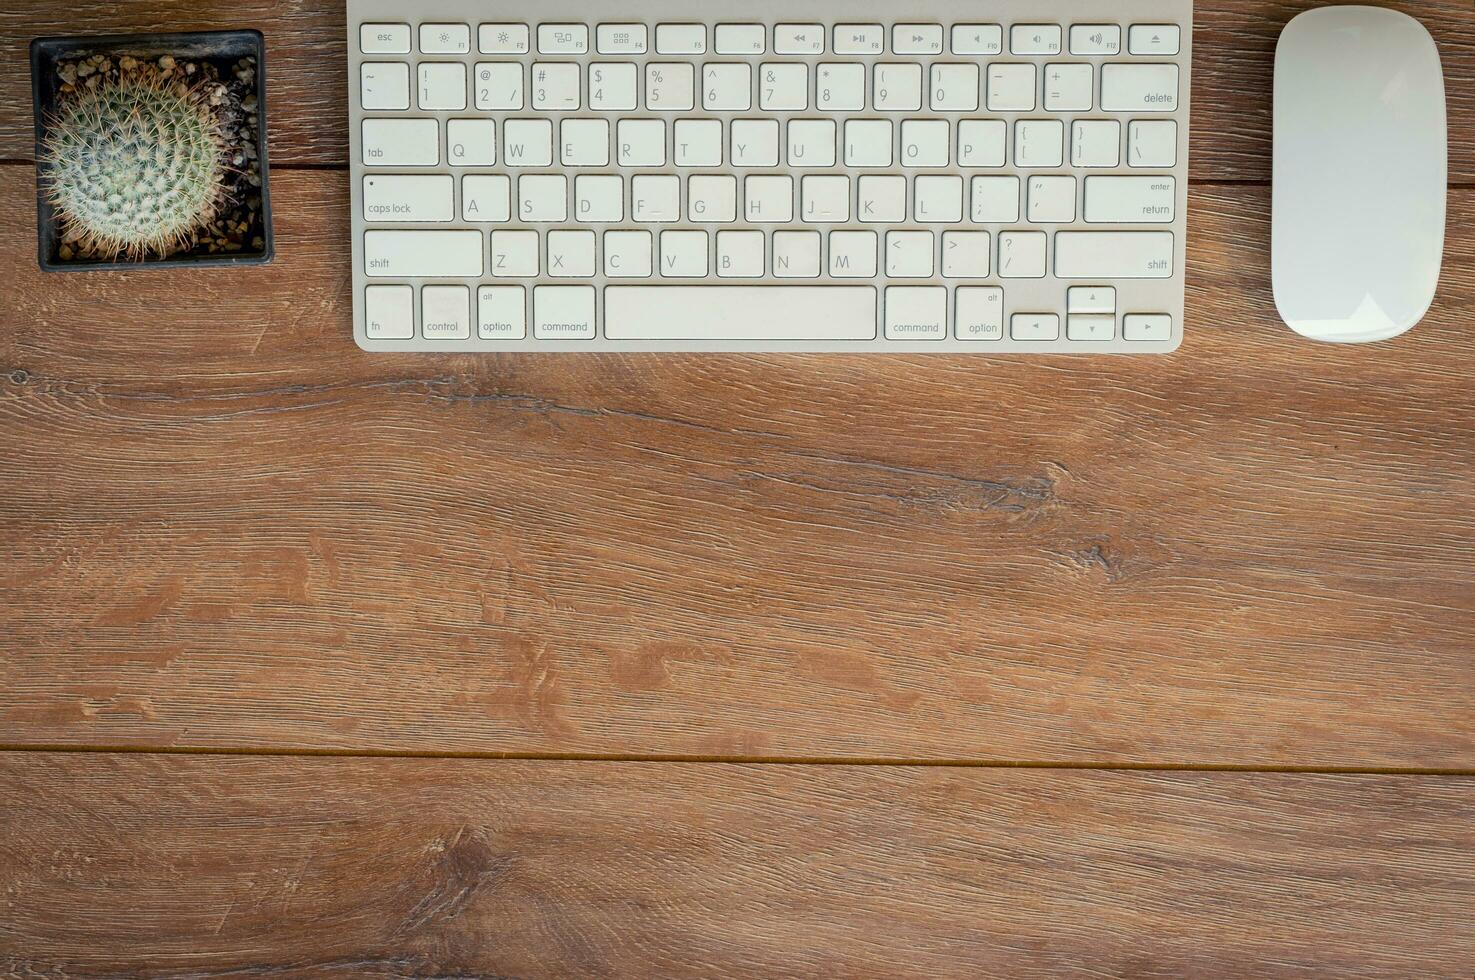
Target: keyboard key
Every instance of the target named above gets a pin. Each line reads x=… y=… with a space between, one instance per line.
x=514 y=254
x=882 y=199
x=1011 y=88
x=741 y=39
x=564 y=313
x=1035 y=39
x=502 y=38
x=741 y=254
x=995 y=200
x=1052 y=200
x=641 y=142
x=684 y=254
x=727 y=88
x=1088 y=40
x=450 y=254
x=860 y=39
x=670 y=86
x=527 y=142
x=868 y=143
x=1139 y=88
x=1147 y=328
x=916 y=313
x=799 y=39
x=811 y=143
x=739 y=313
x=401 y=142
x=1039 y=143
x=1022 y=254
x=499 y=85
x=1129 y=200
x=1114 y=255
x=681 y=39
x=471 y=142
x=389 y=312
x=1090 y=327
x=627 y=254
x=599 y=198
x=768 y=199
x=501 y=313
x=556 y=86
x=486 y=198
x=711 y=198
x=571 y=254
x=916 y=39
x=384 y=85
x=853 y=254
x=1034 y=326
x=984 y=39
x=542 y=198
x=655 y=199
x=445 y=39
x=1095 y=143
x=1091 y=299
x=389 y=197
x=1068 y=88
x=698 y=142
x=563 y=39
x=442 y=86
x=925 y=143
x=584 y=143
x=938 y=199
x=979 y=313
x=955 y=88
x=909 y=254
x=825 y=199
x=612 y=85
x=384 y=39
x=754 y=143
x=898 y=88
x=965 y=254
x=445 y=313
x=1156 y=40
x=1152 y=143
x=982 y=142
x=783 y=87
x=841 y=88
x=620 y=38
x=796 y=254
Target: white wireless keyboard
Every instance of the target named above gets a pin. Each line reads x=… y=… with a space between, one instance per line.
x=808 y=175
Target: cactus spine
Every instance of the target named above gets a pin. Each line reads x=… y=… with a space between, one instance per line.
x=134 y=166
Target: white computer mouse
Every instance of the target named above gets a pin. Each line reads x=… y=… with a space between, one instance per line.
x=1361 y=164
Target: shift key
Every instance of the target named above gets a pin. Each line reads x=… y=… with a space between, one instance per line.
x=1114 y=255
x=423 y=254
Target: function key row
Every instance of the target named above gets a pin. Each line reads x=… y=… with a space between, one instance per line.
x=1085 y=40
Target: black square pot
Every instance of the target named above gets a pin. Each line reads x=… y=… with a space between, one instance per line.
x=221 y=48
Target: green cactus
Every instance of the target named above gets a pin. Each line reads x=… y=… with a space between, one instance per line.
x=135 y=166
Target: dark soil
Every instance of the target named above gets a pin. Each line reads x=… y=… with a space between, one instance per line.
x=231 y=90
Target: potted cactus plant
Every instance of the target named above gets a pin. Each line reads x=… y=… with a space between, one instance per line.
x=151 y=149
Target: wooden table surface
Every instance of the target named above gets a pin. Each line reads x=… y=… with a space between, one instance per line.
x=322 y=663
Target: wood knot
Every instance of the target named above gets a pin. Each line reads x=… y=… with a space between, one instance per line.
x=19 y=376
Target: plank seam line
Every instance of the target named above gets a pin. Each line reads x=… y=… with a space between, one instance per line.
x=310 y=753
x=1459 y=185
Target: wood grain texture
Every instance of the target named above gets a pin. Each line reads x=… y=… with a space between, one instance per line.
x=201 y=866
x=225 y=526
x=1233 y=68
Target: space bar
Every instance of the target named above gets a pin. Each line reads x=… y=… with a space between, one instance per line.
x=740 y=312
